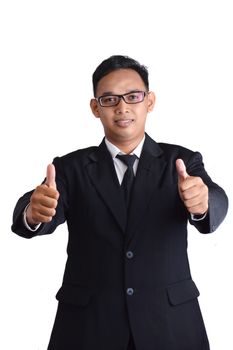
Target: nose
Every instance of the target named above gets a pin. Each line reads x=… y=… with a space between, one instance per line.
x=121 y=107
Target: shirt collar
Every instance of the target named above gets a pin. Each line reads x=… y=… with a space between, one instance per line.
x=114 y=150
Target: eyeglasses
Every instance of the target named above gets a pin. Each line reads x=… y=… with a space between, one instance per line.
x=113 y=100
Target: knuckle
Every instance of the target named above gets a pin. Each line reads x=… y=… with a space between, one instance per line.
x=47 y=219
x=52 y=212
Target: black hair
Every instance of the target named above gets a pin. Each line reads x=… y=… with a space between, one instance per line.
x=119 y=62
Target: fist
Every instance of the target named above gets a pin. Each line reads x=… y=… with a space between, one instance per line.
x=192 y=190
x=44 y=199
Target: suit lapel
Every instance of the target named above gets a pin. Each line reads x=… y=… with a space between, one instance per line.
x=103 y=176
x=150 y=172
x=149 y=176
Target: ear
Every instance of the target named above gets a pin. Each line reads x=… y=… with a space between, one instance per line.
x=151 y=101
x=94 y=107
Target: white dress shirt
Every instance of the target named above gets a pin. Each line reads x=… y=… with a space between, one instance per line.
x=119 y=165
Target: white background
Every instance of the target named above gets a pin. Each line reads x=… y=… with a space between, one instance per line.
x=49 y=50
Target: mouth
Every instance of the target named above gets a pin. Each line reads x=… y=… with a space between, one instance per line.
x=123 y=123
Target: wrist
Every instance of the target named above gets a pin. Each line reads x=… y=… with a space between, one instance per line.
x=28 y=221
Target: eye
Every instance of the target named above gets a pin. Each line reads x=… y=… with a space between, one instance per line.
x=108 y=99
x=134 y=96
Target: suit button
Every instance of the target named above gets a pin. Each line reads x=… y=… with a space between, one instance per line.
x=130 y=291
x=129 y=254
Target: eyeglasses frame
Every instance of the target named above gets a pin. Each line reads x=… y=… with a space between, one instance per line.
x=98 y=99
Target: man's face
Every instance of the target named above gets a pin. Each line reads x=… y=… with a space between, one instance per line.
x=123 y=123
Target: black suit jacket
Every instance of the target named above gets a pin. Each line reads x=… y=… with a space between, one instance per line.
x=127 y=273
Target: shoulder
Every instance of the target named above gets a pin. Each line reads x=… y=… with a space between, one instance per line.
x=167 y=150
x=193 y=159
x=176 y=150
x=75 y=158
x=79 y=154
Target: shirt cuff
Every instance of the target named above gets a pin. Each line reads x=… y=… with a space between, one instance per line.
x=30 y=228
x=196 y=217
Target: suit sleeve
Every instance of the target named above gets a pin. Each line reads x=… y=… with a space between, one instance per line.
x=218 y=201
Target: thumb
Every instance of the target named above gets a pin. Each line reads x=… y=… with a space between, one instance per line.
x=50 y=176
x=181 y=169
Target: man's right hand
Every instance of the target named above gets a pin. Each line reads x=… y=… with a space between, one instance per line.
x=44 y=200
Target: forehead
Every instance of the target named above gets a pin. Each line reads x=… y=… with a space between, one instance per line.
x=120 y=81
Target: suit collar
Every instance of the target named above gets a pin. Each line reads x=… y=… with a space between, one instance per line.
x=114 y=150
x=150 y=146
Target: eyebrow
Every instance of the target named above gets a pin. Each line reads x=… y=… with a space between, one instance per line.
x=108 y=93
x=112 y=93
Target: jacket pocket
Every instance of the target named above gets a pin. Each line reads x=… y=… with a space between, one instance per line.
x=182 y=292
x=74 y=295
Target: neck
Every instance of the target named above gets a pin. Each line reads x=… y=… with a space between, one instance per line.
x=126 y=146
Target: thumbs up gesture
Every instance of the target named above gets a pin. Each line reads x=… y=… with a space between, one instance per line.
x=192 y=190
x=44 y=200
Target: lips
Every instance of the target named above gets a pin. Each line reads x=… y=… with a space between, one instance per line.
x=123 y=123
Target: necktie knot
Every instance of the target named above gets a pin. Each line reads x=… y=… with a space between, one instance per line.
x=127 y=159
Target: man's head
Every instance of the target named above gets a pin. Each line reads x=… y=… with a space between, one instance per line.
x=119 y=62
x=122 y=100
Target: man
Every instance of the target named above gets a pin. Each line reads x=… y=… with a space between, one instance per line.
x=127 y=283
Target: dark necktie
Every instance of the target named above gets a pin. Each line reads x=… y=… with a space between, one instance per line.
x=127 y=159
